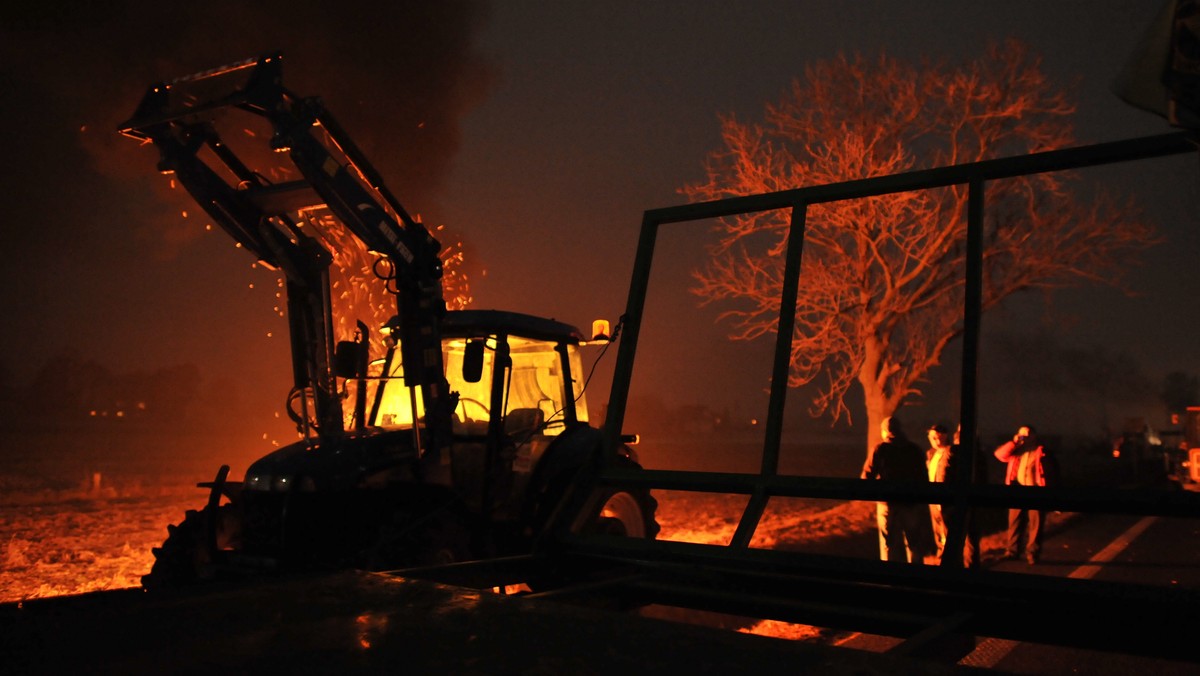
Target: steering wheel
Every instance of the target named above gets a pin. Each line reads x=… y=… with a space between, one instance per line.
x=467 y=400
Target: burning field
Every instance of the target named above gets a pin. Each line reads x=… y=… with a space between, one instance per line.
x=62 y=538
x=97 y=533
x=82 y=538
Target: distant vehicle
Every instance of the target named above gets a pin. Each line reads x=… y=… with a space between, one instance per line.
x=1141 y=452
x=1182 y=459
x=463 y=438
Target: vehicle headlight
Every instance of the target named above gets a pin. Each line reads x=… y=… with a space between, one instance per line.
x=269 y=482
x=257 y=482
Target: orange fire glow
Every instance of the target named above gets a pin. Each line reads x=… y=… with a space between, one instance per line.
x=369 y=626
x=358 y=294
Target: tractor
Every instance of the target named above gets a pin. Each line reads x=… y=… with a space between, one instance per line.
x=440 y=436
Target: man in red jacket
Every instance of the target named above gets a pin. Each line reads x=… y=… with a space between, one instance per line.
x=1028 y=465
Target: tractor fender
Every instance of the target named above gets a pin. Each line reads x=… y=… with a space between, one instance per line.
x=560 y=466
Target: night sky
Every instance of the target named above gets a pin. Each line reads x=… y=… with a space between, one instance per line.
x=540 y=131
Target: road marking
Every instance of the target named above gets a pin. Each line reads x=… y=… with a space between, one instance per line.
x=1113 y=549
x=989 y=652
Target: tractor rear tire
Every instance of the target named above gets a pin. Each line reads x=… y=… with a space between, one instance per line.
x=625 y=513
x=620 y=512
x=628 y=512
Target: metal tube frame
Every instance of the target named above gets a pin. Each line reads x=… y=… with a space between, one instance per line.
x=768 y=483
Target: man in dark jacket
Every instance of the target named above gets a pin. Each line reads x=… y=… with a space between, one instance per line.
x=1028 y=465
x=905 y=532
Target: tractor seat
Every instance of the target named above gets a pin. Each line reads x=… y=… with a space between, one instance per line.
x=523 y=421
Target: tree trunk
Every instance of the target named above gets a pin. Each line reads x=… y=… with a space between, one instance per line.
x=879 y=405
x=878 y=410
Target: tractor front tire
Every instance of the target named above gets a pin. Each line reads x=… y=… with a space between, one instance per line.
x=413 y=539
x=185 y=557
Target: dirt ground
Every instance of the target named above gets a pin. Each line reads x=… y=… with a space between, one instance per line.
x=70 y=541
x=99 y=534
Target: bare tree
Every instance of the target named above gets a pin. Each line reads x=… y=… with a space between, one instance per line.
x=882 y=278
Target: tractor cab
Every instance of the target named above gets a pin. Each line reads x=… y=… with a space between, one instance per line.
x=518 y=371
x=516 y=383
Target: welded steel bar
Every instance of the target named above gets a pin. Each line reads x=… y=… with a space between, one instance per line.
x=903 y=601
x=968 y=415
x=780 y=372
x=1146 y=147
x=782 y=366
x=630 y=325
x=1078 y=499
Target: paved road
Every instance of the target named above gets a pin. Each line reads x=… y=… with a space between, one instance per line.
x=1115 y=548
x=1143 y=550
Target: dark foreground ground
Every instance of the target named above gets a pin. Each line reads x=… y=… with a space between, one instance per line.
x=372 y=623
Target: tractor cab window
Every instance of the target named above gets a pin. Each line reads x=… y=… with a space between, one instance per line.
x=535 y=388
x=394 y=401
x=538 y=382
x=474 y=398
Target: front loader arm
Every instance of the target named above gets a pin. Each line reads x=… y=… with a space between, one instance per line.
x=258 y=214
x=351 y=190
x=249 y=210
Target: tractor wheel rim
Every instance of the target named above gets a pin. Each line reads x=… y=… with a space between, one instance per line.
x=624 y=509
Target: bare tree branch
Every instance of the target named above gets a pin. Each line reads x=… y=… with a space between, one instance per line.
x=883 y=277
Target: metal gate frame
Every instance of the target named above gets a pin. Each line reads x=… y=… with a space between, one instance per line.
x=937 y=611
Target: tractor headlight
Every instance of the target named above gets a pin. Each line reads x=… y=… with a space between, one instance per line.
x=257 y=482
x=268 y=482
